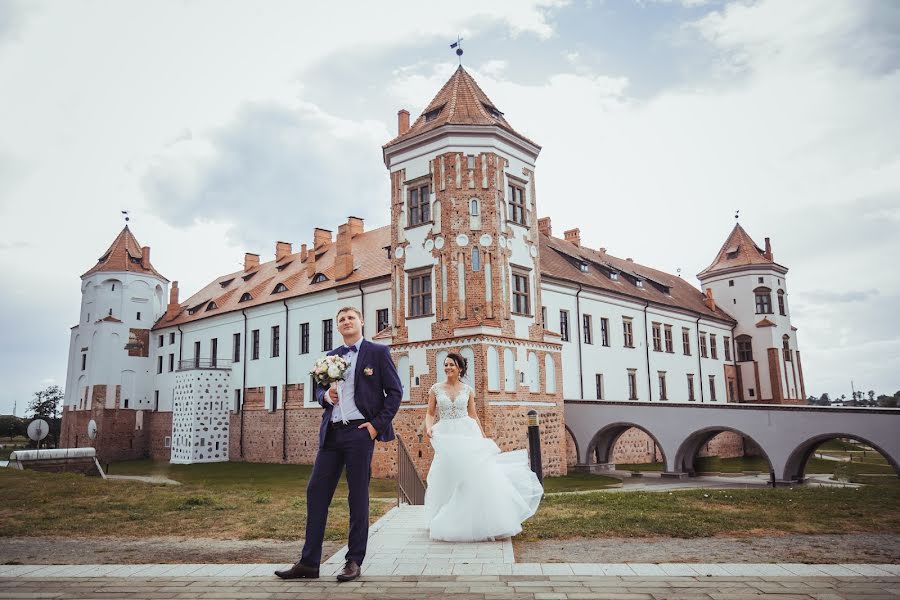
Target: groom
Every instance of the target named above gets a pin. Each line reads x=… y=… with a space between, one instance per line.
x=369 y=399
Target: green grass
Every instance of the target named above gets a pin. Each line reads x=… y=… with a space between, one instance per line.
x=839 y=444
x=704 y=513
x=579 y=482
x=713 y=464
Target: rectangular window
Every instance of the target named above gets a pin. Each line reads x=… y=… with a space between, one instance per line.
x=744 y=349
x=276 y=341
x=419 y=204
x=214 y=353
x=236 y=347
x=162 y=340
x=172 y=337
x=139 y=315
x=420 y=294
x=83 y=361
x=712 y=388
x=713 y=347
x=155 y=399
x=544 y=317
x=167 y=442
x=598 y=380
x=254 y=344
x=327 y=334
x=781 y=309
x=196 y=355
x=521 y=298
x=381 y=319
x=604 y=331
x=237 y=400
x=304 y=338
x=669 y=343
x=726 y=345
x=657 y=337
x=703 y=351
x=588 y=329
x=517 y=204
x=564 y=325
x=628 y=332
x=763 y=303
x=171 y=362
x=632 y=384
x=690 y=379
x=273 y=397
x=159 y=364
x=686 y=341
x=663 y=392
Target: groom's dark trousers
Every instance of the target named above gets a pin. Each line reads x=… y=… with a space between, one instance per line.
x=377 y=393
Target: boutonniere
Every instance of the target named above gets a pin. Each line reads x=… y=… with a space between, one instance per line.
x=368 y=371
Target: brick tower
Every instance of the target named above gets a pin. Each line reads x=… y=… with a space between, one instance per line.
x=465 y=269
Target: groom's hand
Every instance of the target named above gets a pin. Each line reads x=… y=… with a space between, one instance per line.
x=372 y=432
x=332 y=394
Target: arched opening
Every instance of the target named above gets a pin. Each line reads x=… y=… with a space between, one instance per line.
x=572 y=453
x=721 y=449
x=841 y=457
x=605 y=447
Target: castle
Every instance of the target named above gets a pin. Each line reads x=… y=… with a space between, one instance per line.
x=466 y=265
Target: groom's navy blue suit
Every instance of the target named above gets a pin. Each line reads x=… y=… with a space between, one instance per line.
x=376 y=393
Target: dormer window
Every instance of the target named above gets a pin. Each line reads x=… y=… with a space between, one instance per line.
x=319 y=278
x=614 y=275
x=284 y=266
x=279 y=288
x=212 y=306
x=732 y=252
x=431 y=115
x=492 y=110
x=583 y=266
x=639 y=283
x=226 y=283
x=248 y=276
x=246 y=297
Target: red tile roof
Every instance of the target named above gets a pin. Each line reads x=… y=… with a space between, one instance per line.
x=124 y=254
x=459 y=102
x=738 y=250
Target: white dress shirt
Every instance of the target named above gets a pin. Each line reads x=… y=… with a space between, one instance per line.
x=346 y=410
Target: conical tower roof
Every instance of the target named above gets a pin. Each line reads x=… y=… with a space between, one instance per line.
x=739 y=250
x=124 y=254
x=460 y=102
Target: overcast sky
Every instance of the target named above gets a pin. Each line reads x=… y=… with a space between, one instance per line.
x=225 y=126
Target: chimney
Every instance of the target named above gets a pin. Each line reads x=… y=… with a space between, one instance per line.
x=311 y=263
x=282 y=250
x=356 y=226
x=402 y=121
x=629 y=259
x=145 y=257
x=602 y=251
x=302 y=252
x=709 y=301
x=574 y=236
x=768 y=252
x=321 y=238
x=343 y=260
x=544 y=226
x=173 y=308
x=251 y=261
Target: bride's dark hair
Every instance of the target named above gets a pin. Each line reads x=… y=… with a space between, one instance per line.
x=460 y=361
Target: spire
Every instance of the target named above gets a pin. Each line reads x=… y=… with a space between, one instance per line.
x=125 y=254
x=739 y=250
x=459 y=102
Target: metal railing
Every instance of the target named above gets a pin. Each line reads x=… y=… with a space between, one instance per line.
x=203 y=363
x=410 y=487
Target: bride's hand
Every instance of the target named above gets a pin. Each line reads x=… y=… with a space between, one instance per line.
x=428 y=431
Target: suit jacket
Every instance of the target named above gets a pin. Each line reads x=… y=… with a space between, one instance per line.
x=377 y=391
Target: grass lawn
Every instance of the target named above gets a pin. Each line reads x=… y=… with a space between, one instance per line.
x=579 y=482
x=703 y=513
x=760 y=464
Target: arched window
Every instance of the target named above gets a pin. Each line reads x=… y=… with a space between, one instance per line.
x=763 y=300
x=474 y=214
x=493 y=364
x=439 y=365
x=473 y=207
x=744 y=348
x=786 y=347
x=781 y=306
x=319 y=278
x=509 y=370
x=534 y=373
x=471 y=369
x=245 y=297
x=549 y=374
x=476 y=259
x=279 y=288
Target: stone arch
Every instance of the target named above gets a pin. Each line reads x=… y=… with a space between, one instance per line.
x=602 y=444
x=795 y=465
x=690 y=446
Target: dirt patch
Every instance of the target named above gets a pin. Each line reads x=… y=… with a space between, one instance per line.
x=849 y=548
x=155 y=550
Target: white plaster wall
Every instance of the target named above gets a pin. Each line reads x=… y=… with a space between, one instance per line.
x=200 y=422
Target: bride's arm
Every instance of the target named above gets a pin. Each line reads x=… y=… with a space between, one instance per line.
x=472 y=412
x=429 y=414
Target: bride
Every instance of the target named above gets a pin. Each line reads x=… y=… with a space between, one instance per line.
x=475 y=492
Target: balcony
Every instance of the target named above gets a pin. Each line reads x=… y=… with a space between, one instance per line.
x=204 y=363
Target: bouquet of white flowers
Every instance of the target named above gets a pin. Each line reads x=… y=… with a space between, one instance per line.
x=329 y=369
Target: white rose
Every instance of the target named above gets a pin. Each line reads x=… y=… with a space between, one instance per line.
x=334 y=371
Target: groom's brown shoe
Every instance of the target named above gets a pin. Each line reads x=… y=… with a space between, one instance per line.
x=350 y=572
x=299 y=571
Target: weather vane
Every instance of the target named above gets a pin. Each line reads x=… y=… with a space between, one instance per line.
x=737 y=214
x=127 y=218
x=458 y=45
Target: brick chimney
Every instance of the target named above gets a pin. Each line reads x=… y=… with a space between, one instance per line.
x=173 y=308
x=402 y=121
x=311 y=262
x=574 y=236
x=602 y=251
x=282 y=250
x=343 y=260
x=768 y=252
x=356 y=226
x=251 y=261
x=708 y=300
x=544 y=226
x=321 y=238
x=302 y=252
x=145 y=257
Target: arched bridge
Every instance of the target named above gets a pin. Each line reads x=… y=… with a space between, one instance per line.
x=787 y=435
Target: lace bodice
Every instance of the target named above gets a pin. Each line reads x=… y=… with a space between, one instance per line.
x=452 y=408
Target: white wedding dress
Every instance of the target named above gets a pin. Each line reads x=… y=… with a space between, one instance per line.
x=475 y=492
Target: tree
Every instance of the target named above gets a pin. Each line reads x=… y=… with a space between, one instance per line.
x=824 y=400
x=12 y=426
x=46 y=405
x=887 y=401
x=871 y=394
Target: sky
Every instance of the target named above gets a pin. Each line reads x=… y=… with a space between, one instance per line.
x=225 y=126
